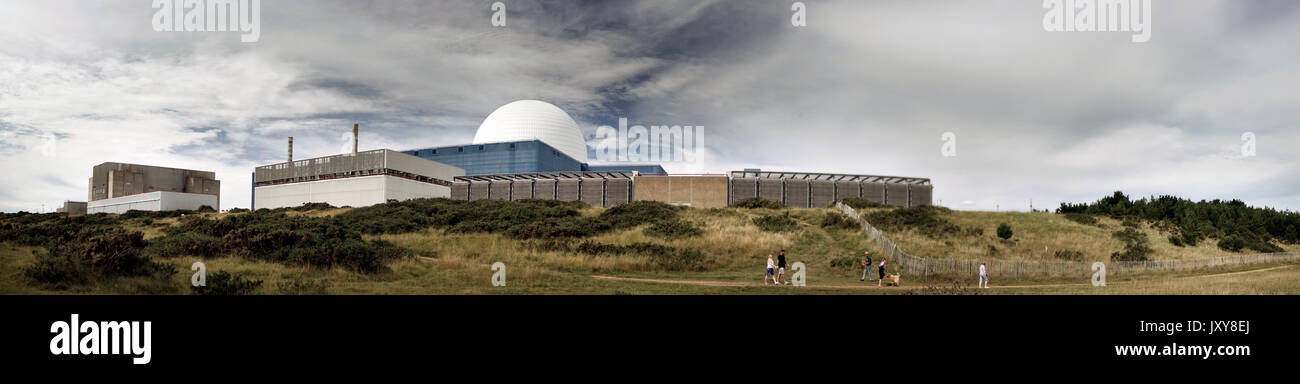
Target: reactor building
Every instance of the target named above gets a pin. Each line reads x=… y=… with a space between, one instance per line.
x=355 y=179
x=121 y=187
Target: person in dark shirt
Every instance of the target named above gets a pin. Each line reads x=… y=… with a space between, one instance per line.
x=780 y=268
x=866 y=266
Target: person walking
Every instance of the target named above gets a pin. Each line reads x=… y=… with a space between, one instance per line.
x=882 y=273
x=866 y=266
x=771 y=270
x=780 y=268
x=984 y=277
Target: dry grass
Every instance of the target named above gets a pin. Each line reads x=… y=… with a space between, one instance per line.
x=1038 y=236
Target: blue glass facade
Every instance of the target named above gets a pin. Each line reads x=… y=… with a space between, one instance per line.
x=496 y=158
x=517 y=157
x=644 y=169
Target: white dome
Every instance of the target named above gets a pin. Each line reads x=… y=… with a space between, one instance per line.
x=532 y=119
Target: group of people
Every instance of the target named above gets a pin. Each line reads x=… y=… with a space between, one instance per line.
x=866 y=269
x=775 y=270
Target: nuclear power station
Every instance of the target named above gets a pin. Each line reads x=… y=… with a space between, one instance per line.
x=526 y=149
x=121 y=187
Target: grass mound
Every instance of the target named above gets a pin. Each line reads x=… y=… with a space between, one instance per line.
x=757 y=202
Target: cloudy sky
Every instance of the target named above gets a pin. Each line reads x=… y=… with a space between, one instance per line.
x=865 y=87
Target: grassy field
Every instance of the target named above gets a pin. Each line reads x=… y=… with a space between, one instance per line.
x=1039 y=235
x=735 y=252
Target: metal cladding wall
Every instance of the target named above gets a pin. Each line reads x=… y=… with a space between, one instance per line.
x=617 y=191
x=521 y=189
x=478 y=190
x=500 y=190
x=874 y=192
x=771 y=189
x=544 y=189
x=742 y=189
x=896 y=194
x=796 y=193
x=592 y=191
x=566 y=190
x=920 y=195
x=821 y=193
x=847 y=189
x=460 y=190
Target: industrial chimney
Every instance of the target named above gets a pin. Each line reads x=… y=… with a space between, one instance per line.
x=290 y=149
x=354 y=138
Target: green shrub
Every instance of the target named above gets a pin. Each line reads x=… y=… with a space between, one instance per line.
x=776 y=223
x=185 y=243
x=1068 y=254
x=1135 y=245
x=94 y=255
x=1004 y=231
x=836 y=220
x=861 y=203
x=1175 y=240
x=1232 y=244
x=757 y=202
x=639 y=212
x=222 y=283
x=1083 y=219
x=924 y=219
x=673 y=229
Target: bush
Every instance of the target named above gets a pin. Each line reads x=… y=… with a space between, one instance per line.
x=924 y=219
x=757 y=202
x=94 y=255
x=639 y=212
x=860 y=203
x=1175 y=240
x=1135 y=245
x=1082 y=219
x=776 y=223
x=1004 y=231
x=673 y=229
x=222 y=283
x=839 y=221
x=1070 y=255
x=1232 y=244
x=186 y=243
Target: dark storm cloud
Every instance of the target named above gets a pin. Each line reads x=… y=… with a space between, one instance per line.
x=866 y=87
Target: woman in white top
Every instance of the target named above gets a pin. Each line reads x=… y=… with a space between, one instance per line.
x=984 y=277
x=771 y=270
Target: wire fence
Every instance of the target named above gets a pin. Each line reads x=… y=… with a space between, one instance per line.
x=924 y=267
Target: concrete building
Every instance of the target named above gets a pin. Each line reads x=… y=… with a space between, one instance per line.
x=702 y=191
x=119 y=187
x=356 y=179
x=72 y=208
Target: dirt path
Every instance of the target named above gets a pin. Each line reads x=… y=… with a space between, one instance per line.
x=719 y=283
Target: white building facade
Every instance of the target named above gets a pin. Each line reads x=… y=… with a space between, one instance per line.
x=354 y=180
x=152 y=201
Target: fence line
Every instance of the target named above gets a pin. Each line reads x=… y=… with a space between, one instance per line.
x=923 y=266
